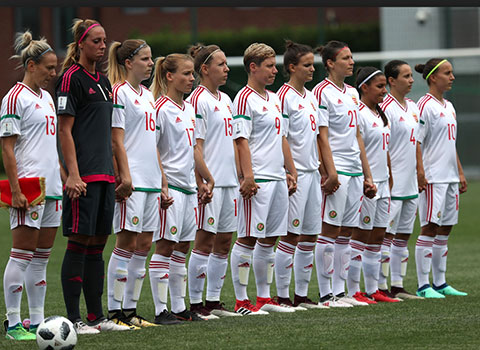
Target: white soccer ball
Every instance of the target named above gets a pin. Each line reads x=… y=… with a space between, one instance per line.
x=56 y=333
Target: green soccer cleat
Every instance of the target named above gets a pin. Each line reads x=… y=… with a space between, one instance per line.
x=17 y=332
x=449 y=290
x=429 y=293
x=33 y=328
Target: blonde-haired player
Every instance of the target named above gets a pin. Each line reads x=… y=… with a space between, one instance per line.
x=263 y=152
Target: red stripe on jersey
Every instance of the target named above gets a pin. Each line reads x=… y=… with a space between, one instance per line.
x=423 y=102
x=317 y=91
x=282 y=92
x=11 y=97
x=362 y=106
x=195 y=96
x=115 y=89
x=242 y=101
x=386 y=102
x=67 y=78
x=159 y=103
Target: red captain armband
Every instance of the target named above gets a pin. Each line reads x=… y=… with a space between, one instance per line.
x=32 y=187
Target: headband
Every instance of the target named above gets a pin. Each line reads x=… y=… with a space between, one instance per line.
x=37 y=57
x=85 y=32
x=211 y=54
x=434 y=68
x=369 y=77
x=134 y=52
x=343 y=48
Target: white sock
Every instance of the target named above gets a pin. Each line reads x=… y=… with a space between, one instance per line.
x=136 y=276
x=303 y=266
x=423 y=259
x=197 y=273
x=117 y=274
x=36 y=284
x=371 y=267
x=355 y=267
x=439 y=260
x=385 y=261
x=216 y=270
x=177 y=281
x=398 y=262
x=324 y=253
x=283 y=268
x=13 y=283
x=341 y=262
x=240 y=258
x=263 y=261
x=158 y=270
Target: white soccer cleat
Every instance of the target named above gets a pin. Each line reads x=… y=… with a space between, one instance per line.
x=82 y=328
x=331 y=301
x=106 y=325
x=349 y=300
x=270 y=305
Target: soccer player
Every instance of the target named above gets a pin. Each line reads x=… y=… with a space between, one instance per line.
x=368 y=236
x=438 y=204
x=134 y=142
x=299 y=105
x=263 y=152
x=84 y=107
x=349 y=168
x=28 y=131
x=218 y=219
x=175 y=142
x=403 y=116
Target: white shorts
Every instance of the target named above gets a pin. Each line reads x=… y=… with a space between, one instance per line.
x=266 y=213
x=47 y=214
x=342 y=208
x=178 y=223
x=402 y=215
x=220 y=215
x=375 y=211
x=139 y=213
x=305 y=205
x=438 y=204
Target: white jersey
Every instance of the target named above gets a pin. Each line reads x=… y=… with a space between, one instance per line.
x=175 y=142
x=135 y=113
x=301 y=124
x=213 y=124
x=340 y=107
x=376 y=137
x=33 y=119
x=437 y=135
x=259 y=120
x=402 y=146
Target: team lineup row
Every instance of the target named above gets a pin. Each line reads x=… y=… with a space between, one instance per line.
x=334 y=175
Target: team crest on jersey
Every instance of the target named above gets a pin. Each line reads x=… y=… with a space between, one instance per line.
x=265 y=109
x=355 y=100
x=34 y=215
x=295 y=222
x=173 y=230
x=401 y=119
x=439 y=214
x=366 y=219
x=415 y=117
x=37 y=106
x=211 y=221
x=391 y=223
x=193 y=122
x=111 y=96
x=278 y=108
x=332 y=214
x=454 y=115
x=339 y=102
x=260 y=226
x=151 y=103
x=137 y=103
x=300 y=107
x=313 y=106
x=51 y=105
x=135 y=220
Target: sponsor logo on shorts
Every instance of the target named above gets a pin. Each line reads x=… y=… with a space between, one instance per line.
x=260 y=226
x=391 y=223
x=332 y=214
x=173 y=230
x=295 y=222
x=135 y=220
x=439 y=214
x=211 y=221
x=34 y=215
x=366 y=219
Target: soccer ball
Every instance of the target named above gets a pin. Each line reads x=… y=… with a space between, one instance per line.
x=56 y=333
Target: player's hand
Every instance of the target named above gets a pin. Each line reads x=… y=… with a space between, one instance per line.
x=422 y=182
x=75 y=187
x=463 y=184
x=165 y=199
x=248 y=187
x=369 y=188
x=124 y=189
x=205 y=192
x=19 y=201
x=330 y=184
x=292 y=183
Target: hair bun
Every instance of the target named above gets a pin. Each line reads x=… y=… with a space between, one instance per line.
x=420 y=68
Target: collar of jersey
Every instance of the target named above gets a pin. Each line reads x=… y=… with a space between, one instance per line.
x=444 y=105
x=131 y=87
x=398 y=103
x=263 y=98
x=30 y=89
x=299 y=94
x=336 y=87
x=175 y=103
x=206 y=89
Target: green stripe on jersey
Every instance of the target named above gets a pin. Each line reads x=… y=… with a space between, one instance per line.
x=263 y=180
x=405 y=198
x=285 y=115
x=199 y=116
x=422 y=122
x=53 y=197
x=242 y=116
x=322 y=107
x=180 y=189
x=349 y=174
x=10 y=116
x=146 y=189
x=118 y=106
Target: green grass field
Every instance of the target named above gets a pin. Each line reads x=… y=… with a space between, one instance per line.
x=449 y=324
